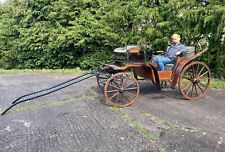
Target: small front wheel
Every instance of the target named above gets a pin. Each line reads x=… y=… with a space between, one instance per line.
x=102 y=77
x=121 y=90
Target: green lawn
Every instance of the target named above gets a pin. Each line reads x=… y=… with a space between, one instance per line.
x=218 y=83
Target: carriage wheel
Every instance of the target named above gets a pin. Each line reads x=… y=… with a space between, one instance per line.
x=121 y=90
x=102 y=78
x=194 y=80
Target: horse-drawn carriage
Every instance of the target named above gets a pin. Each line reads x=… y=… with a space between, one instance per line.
x=119 y=80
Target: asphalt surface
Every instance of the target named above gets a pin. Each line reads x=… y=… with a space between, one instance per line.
x=77 y=119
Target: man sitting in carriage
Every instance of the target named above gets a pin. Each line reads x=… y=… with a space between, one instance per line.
x=172 y=52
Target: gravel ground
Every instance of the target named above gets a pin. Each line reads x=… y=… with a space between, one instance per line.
x=77 y=119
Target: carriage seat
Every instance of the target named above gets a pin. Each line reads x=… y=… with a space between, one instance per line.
x=128 y=49
x=133 y=54
x=190 y=52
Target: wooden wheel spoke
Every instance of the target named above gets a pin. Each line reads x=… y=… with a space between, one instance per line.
x=130 y=84
x=125 y=96
x=203 y=74
x=186 y=87
x=122 y=98
x=117 y=98
x=190 y=75
x=111 y=91
x=200 y=88
x=130 y=93
x=114 y=95
x=193 y=71
x=116 y=83
x=125 y=82
x=129 y=89
x=192 y=89
x=121 y=82
x=205 y=78
x=125 y=99
x=202 y=84
x=196 y=73
x=128 y=97
x=114 y=86
x=189 y=89
x=196 y=91
x=200 y=72
x=187 y=78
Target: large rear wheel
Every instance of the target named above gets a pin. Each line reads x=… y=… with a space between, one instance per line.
x=121 y=90
x=194 y=80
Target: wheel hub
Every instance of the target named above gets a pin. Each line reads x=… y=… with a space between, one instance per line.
x=122 y=90
x=195 y=81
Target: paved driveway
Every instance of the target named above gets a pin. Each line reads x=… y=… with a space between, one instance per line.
x=76 y=119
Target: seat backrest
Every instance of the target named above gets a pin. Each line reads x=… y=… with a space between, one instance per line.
x=133 y=48
x=120 y=50
x=128 y=49
x=190 y=51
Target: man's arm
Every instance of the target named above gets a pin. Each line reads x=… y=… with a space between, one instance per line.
x=182 y=48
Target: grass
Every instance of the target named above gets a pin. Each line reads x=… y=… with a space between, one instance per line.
x=144 y=131
x=217 y=83
x=63 y=71
x=153 y=118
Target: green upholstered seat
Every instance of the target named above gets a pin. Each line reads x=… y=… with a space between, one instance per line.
x=189 y=53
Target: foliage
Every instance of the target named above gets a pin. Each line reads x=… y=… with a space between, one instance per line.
x=31 y=71
x=70 y=33
x=95 y=60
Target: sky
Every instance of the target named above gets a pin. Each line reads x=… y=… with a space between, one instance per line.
x=2 y=1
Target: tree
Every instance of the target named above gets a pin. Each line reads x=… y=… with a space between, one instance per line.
x=70 y=33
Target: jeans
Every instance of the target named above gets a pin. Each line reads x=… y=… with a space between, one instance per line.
x=161 y=60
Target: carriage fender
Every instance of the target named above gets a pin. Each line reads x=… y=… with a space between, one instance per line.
x=181 y=64
x=178 y=70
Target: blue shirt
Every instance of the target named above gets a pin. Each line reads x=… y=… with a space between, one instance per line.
x=171 y=51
